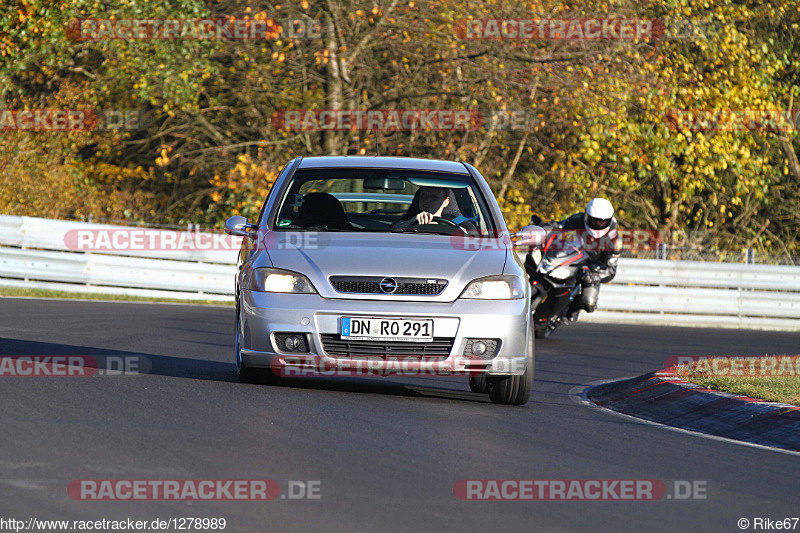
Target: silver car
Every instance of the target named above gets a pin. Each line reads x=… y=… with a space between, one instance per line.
x=380 y=262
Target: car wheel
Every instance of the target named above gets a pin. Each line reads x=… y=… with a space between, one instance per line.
x=515 y=390
x=478 y=384
x=246 y=374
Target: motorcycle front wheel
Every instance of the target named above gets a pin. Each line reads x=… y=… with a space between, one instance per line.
x=542 y=332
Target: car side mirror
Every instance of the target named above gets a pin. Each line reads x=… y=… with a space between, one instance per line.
x=529 y=236
x=238 y=225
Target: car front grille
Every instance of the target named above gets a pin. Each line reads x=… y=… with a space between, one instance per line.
x=334 y=345
x=372 y=285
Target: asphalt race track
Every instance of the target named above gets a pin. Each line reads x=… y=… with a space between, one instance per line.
x=386 y=452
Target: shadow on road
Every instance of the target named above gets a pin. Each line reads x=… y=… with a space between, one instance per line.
x=126 y=361
x=120 y=362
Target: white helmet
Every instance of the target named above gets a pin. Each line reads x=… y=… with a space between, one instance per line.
x=597 y=218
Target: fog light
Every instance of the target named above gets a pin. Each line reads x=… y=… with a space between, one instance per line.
x=292 y=342
x=478 y=348
x=483 y=348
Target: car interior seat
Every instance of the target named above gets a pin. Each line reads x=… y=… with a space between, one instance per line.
x=322 y=209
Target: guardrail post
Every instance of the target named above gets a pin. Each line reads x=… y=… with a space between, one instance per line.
x=196 y=229
x=661 y=251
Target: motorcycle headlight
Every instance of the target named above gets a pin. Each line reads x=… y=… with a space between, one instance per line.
x=536 y=255
x=559 y=273
x=495 y=288
x=277 y=280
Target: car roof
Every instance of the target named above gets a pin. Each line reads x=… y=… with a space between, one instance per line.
x=405 y=163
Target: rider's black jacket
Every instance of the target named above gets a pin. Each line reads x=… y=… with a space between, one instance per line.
x=603 y=252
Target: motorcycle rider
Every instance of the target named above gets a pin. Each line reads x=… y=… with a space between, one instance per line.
x=597 y=229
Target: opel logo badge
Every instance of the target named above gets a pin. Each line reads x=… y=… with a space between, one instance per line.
x=388 y=285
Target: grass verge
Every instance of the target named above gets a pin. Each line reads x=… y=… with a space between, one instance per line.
x=47 y=293
x=773 y=378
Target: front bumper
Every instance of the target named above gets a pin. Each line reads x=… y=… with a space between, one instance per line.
x=266 y=313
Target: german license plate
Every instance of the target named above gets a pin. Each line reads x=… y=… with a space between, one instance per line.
x=387 y=329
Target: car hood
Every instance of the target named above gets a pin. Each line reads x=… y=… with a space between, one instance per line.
x=320 y=255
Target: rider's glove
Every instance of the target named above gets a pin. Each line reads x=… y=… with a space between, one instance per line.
x=590 y=277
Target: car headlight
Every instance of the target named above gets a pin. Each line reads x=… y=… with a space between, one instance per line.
x=559 y=273
x=277 y=280
x=495 y=288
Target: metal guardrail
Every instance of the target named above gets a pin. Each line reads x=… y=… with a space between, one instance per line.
x=709 y=274
x=34 y=253
x=46 y=234
x=116 y=271
x=694 y=293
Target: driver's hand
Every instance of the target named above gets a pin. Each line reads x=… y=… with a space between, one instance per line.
x=424 y=218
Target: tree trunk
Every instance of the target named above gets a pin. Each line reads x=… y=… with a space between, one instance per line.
x=333 y=86
x=512 y=167
x=791 y=155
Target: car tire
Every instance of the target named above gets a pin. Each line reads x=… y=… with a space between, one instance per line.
x=515 y=390
x=244 y=373
x=478 y=384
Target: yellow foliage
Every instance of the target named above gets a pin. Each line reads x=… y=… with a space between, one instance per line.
x=516 y=209
x=163 y=159
x=37 y=181
x=244 y=188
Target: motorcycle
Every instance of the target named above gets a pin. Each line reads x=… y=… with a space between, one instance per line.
x=555 y=273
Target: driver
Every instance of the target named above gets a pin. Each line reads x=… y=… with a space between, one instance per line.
x=430 y=202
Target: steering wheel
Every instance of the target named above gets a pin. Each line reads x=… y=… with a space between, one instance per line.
x=448 y=222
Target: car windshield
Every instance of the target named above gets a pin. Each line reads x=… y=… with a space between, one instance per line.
x=381 y=201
